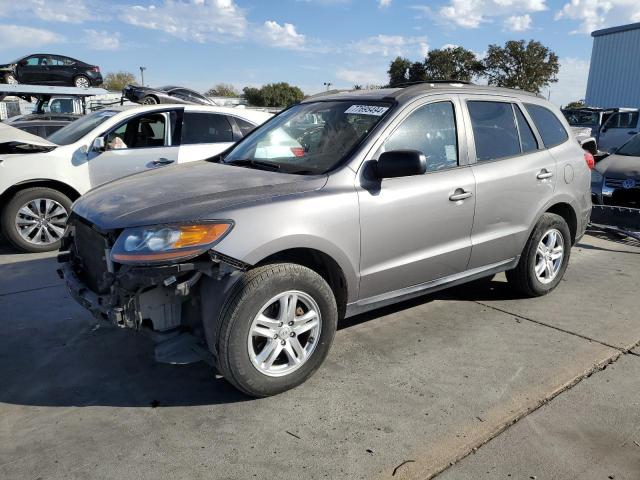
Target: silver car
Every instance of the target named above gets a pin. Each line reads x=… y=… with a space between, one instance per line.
x=253 y=256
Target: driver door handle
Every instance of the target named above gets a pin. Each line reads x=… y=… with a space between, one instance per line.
x=162 y=161
x=544 y=173
x=460 y=194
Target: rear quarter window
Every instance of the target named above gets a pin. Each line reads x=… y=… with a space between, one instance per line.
x=549 y=126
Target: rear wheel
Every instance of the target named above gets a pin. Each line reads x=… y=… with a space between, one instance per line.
x=149 y=100
x=81 y=82
x=276 y=329
x=35 y=219
x=10 y=78
x=544 y=259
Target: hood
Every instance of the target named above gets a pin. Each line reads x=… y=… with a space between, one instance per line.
x=581 y=133
x=188 y=192
x=13 y=140
x=620 y=166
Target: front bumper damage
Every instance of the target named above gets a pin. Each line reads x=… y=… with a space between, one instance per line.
x=164 y=301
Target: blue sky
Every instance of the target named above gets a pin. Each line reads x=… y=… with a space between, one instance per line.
x=198 y=43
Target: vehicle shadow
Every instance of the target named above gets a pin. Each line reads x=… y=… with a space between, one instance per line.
x=53 y=353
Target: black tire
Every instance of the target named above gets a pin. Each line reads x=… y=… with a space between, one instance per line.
x=245 y=301
x=81 y=79
x=149 y=100
x=523 y=278
x=10 y=211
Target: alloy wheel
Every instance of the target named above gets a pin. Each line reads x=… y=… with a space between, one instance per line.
x=82 y=82
x=549 y=256
x=41 y=221
x=10 y=79
x=284 y=333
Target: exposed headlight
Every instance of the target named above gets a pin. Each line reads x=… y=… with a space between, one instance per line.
x=167 y=243
x=596 y=177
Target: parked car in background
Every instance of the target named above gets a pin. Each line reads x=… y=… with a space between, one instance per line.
x=586 y=117
x=618 y=128
x=168 y=94
x=47 y=69
x=616 y=179
x=389 y=194
x=39 y=179
x=42 y=124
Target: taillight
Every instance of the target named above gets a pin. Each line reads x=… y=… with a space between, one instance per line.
x=590 y=160
x=297 y=151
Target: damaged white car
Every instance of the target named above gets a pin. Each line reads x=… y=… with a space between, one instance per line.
x=40 y=178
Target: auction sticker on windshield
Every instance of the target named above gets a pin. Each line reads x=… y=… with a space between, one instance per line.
x=375 y=110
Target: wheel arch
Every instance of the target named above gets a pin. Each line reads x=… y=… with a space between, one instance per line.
x=62 y=187
x=568 y=212
x=321 y=263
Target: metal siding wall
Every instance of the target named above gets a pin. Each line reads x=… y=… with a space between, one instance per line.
x=614 y=73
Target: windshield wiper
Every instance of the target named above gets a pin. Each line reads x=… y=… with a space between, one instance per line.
x=258 y=164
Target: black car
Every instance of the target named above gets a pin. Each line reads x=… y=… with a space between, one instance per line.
x=46 y=69
x=168 y=94
x=42 y=125
x=616 y=179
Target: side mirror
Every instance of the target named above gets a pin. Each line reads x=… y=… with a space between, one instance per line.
x=98 y=145
x=401 y=163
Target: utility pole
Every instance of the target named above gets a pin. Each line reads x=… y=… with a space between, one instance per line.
x=142 y=69
x=328 y=85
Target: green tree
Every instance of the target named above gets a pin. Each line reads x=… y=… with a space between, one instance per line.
x=453 y=63
x=398 y=69
x=222 y=90
x=576 y=104
x=417 y=72
x=273 y=95
x=116 y=81
x=528 y=66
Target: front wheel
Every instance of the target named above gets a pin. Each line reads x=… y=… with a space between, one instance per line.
x=35 y=219
x=149 y=100
x=11 y=79
x=544 y=259
x=276 y=329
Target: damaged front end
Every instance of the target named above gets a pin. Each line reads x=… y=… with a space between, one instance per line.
x=162 y=298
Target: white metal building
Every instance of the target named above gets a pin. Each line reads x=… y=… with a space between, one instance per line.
x=614 y=74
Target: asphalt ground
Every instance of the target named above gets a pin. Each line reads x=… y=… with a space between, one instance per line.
x=469 y=383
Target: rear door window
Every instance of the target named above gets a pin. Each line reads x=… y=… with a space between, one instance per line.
x=430 y=129
x=244 y=126
x=199 y=127
x=549 y=126
x=623 y=120
x=494 y=130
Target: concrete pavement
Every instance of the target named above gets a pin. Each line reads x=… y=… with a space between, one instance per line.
x=405 y=391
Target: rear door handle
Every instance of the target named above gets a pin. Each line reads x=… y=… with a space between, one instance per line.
x=460 y=194
x=162 y=161
x=544 y=173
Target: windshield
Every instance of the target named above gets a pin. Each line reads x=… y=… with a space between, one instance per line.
x=310 y=138
x=78 y=129
x=582 y=118
x=631 y=148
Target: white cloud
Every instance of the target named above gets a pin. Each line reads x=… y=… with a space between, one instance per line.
x=517 y=23
x=391 y=45
x=101 y=40
x=282 y=36
x=68 y=11
x=16 y=36
x=595 y=14
x=362 y=77
x=198 y=20
x=384 y=3
x=572 y=81
x=449 y=45
x=473 y=13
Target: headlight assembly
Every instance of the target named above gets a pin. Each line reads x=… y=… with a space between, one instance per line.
x=167 y=243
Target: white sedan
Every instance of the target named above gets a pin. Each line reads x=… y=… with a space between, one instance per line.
x=39 y=179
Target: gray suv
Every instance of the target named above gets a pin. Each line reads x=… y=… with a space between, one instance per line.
x=341 y=204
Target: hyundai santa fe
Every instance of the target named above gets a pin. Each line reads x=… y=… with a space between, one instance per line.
x=256 y=253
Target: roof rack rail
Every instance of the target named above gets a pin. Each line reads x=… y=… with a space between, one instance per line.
x=422 y=82
x=328 y=92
